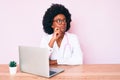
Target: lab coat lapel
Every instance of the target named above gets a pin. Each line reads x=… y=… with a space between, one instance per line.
x=63 y=43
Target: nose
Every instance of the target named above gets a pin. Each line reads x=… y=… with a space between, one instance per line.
x=63 y=23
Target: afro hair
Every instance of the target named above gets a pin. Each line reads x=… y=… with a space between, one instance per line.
x=49 y=15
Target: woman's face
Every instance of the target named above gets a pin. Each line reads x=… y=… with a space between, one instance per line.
x=59 y=21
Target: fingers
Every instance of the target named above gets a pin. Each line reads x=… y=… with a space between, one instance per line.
x=57 y=29
x=57 y=33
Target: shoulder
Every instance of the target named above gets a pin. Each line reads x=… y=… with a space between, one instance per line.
x=73 y=38
x=46 y=36
x=71 y=35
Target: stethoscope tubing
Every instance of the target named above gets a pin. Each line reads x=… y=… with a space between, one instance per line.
x=67 y=44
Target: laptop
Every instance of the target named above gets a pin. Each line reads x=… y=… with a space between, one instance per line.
x=35 y=60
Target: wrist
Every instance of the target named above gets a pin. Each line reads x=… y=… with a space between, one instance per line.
x=51 y=43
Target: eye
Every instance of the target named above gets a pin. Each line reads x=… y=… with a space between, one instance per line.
x=59 y=21
x=64 y=20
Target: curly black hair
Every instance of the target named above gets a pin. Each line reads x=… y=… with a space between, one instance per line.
x=49 y=15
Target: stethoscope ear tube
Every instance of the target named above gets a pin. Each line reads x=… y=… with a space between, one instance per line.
x=67 y=46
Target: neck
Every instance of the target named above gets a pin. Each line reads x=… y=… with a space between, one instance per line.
x=61 y=37
x=59 y=40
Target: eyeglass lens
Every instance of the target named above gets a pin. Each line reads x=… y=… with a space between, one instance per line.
x=59 y=21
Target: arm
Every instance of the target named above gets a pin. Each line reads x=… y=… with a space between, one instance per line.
x=56 y=35
x=49 y=42
x=44 y=43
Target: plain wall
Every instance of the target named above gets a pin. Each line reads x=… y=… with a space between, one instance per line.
x=96 y=22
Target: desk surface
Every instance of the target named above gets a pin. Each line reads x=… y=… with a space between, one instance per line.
x=82 y=72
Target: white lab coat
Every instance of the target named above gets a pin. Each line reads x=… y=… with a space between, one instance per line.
x=69 y=52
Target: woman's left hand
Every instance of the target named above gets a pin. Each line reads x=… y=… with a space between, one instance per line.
x=53 y=62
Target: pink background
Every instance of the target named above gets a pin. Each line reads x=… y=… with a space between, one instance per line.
x=96 y=22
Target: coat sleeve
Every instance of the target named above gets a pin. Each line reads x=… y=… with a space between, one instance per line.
x=76 y=57
x=44 y=43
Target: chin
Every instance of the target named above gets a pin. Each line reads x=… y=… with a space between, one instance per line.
x=63 y=30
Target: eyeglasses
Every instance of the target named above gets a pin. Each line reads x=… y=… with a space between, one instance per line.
x=59 y=21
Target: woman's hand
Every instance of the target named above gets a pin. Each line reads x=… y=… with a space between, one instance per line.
x=57 y=33
x=56 y=36
x=53 y=62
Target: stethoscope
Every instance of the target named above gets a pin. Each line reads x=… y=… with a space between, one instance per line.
x=66 y=46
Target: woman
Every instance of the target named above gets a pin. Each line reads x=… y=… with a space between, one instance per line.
x=64 y=47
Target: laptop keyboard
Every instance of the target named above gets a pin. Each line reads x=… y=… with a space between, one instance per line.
x=52 y=72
